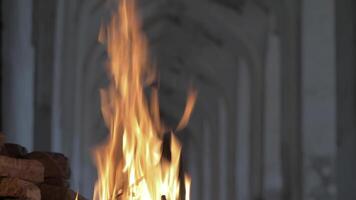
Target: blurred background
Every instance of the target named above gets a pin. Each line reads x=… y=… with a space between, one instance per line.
x=276 y=109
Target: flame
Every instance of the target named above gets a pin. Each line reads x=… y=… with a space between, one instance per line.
x=129 y=164
x=187 y=183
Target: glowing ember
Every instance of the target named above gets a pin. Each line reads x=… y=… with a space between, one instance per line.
x=130 y=165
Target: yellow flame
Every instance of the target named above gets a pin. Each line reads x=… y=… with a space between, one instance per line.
x=129 y=164
x=192 y=96
x=187 y=183
x=76 y=196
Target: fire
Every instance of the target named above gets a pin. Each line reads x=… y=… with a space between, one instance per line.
x=130 y=163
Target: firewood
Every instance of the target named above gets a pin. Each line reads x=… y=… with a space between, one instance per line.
x=2 y=139
x=50 y=192
x=13 y=150
x=19 y=189
x=56 y=164
x=57 y=182
x=29 y=170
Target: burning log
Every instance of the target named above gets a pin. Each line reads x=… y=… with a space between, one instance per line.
x=19 y=189
x=56 y=165
x=50 y=192
x=29 y=170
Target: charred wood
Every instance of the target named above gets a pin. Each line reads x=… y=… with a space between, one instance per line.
x=56 y=165
x=13 y=150
x=50 y=192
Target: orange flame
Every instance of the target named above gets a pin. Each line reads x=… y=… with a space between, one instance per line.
x=129 y=164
